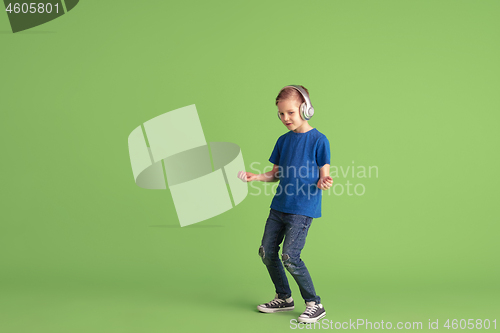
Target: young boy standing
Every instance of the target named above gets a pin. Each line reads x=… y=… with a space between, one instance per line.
x=301 y=159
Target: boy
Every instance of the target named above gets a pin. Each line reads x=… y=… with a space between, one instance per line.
x=301 y=159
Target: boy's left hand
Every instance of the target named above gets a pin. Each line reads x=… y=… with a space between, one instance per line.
x=325 y=183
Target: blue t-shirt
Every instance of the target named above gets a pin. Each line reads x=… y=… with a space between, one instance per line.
x=299 y=157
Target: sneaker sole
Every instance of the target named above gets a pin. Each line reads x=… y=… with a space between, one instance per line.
x=311 y=320
x=268 y=310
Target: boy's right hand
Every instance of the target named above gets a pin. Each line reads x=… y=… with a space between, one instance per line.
x=247 y=176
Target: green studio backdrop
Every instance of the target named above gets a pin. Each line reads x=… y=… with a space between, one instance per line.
x=409 y=88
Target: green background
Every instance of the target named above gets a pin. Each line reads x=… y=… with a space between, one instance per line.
x=408 y=86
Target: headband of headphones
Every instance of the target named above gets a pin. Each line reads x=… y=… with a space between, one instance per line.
x=306 y=108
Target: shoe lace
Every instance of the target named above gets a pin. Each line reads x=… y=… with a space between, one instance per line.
x=275 y=301
x=311 y=309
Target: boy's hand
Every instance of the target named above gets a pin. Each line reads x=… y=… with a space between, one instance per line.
x=247 y=176
x=325 y=183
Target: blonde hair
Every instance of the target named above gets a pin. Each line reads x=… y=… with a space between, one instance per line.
x=291 y=93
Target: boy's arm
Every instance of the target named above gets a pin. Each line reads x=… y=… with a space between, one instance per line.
x=325 y=181
x=270 y=176
x=324 y=171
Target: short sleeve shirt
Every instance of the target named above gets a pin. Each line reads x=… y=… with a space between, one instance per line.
x=299 y=157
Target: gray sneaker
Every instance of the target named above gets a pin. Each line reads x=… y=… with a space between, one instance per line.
x=313 y=313
x=276 y=305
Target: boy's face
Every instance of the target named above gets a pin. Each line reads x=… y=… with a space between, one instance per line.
x=290 y=114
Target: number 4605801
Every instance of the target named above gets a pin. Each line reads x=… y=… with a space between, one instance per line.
x=470 y=324
x=32 y=8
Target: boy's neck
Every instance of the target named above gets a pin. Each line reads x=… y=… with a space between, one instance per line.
x=305 y=127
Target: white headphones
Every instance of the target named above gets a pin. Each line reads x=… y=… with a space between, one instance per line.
x=306 y=109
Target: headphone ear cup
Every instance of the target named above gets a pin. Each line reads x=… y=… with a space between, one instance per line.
x=310 y=112
x=303 y=107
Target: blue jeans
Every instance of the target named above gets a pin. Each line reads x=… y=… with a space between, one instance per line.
x=293 y=228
